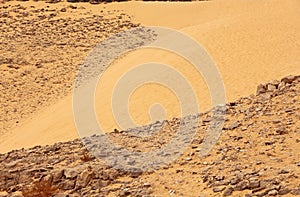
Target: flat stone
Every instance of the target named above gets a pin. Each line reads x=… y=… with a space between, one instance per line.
x=218 y=189
x=70 y=173
x=273 y=192
x=276 y=121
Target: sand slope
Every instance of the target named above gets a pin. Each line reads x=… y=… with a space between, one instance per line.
x=251 y=42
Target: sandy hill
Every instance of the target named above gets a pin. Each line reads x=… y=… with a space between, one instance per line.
x=43 y=44
x=258 y=154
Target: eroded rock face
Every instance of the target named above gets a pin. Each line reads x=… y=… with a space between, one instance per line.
x=257 y=152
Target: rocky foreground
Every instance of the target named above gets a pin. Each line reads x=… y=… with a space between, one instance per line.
x=257 y=154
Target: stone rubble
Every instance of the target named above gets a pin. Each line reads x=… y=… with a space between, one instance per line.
x=257 y=153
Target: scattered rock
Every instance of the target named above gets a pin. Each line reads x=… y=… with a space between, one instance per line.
x=254 y=183
x=260 y=89
x=242 y=185
x=218 y=189
x=232 y=126
x=271 y=87
x=70 y=173
x=67 y=184
x=273 y=192
x=84 y=178
x=295 y=191
x=228 y=191
x=288 y=79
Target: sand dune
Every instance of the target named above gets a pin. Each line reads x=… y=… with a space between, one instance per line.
x=250 y=41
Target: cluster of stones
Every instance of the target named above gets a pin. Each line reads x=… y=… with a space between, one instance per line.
x=259 y=132
x=69 y=167
x=276 y=85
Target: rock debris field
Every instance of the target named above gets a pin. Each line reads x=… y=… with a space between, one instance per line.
x=257 y=154
x=38 y=47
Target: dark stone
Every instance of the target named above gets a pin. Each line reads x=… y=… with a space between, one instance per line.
x=242 y=185
x=228 y=191
x=260 y=89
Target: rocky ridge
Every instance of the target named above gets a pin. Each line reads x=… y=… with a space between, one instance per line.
x=258 y=154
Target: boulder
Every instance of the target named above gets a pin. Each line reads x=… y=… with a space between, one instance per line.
x=84 y=178
x=288 y=79
x=260 y=89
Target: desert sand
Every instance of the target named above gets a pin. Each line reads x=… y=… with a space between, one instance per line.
x=249 y=41
x=42 y=46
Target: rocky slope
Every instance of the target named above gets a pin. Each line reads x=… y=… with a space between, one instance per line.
x=257 y=154
x=41 y=49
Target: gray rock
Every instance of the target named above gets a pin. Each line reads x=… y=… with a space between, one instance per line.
x=283 y=171
x=260 y=89
x=84 y=178
x=103 y=183
x=283 y=191
x=295 y=191
x=67 y=184
x=232 y=126
x=254 y=183
x=234 y=180
x=288 y=79
x=228 y=191
x=242 y=185
x=271 y=87
x=281 y=85
x=281 y=131
x=273 y=192
x=70 y=173
x=57 y=175
x=12 y=164
x=218 y=189
x=48 y=178
x=276 y=121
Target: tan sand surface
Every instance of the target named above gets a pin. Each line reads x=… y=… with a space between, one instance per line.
x=251 y=42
